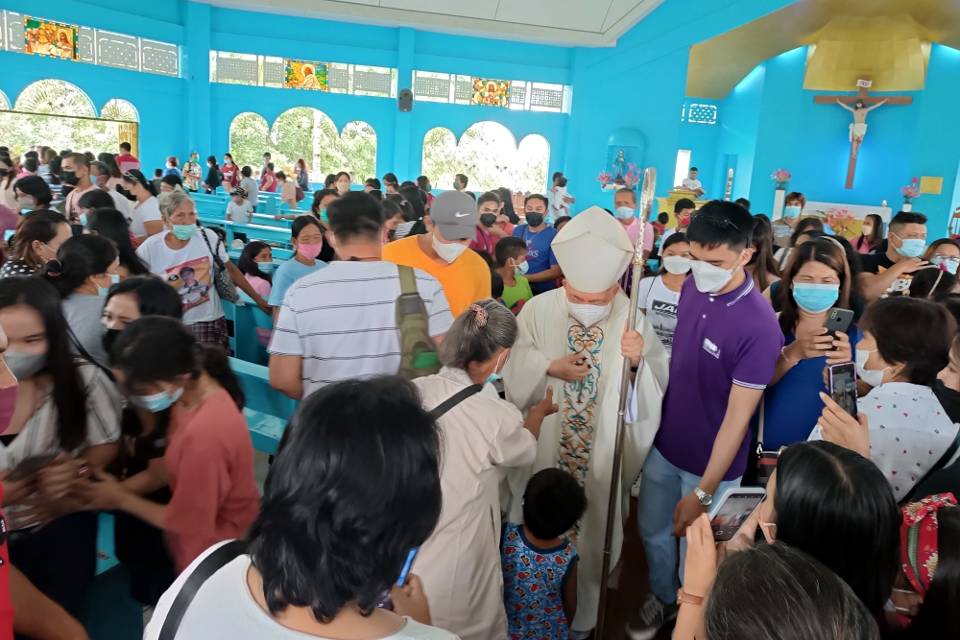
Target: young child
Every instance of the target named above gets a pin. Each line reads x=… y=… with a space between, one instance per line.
x=287 y=189
x=511 y=265
x=539 y=563
x=239 y=208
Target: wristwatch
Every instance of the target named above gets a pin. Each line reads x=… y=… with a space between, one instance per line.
x=706 y=499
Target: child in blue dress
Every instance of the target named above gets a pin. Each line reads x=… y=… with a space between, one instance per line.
x=539 y=562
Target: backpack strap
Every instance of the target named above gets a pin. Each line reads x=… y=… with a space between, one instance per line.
x=207 y=567
x=454 y=400
x=408 y=281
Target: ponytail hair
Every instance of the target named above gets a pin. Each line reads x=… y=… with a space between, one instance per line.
x=478 y=333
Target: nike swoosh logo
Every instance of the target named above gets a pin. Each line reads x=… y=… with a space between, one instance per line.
x=461 y=215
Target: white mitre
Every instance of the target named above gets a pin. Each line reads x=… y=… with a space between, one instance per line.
x=593 y=250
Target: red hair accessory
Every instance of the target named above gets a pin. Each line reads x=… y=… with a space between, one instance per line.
x=480 y=315
x=919 y=542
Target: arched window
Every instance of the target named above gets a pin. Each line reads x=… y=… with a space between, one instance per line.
x=488 y=154
x=59 y=115
x=4 y=103
x=305 y=132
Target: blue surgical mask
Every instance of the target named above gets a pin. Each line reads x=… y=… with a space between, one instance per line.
x=911 y=247
x=815 y=298
x=184 y=231
x=947 y=263
x=791 y=211
x=549 y=221
x=626 y=213
x=103 y=291
x=157 y=402
x=267 y=267
x=83 y=219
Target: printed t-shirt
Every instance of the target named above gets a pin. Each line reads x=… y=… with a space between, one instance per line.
x=465 y=280
x=342 y=321
x=879 y=262
x=539 y=253
x=188 y=270
x=660 y=305
x=209 y=463
x=287 y=274
x=720 y=341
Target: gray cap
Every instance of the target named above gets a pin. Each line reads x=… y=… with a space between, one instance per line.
x=455 y=215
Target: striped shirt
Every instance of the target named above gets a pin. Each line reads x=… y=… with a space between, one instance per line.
x=342 y=321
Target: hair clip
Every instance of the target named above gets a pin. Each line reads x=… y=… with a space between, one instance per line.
x=480 y=316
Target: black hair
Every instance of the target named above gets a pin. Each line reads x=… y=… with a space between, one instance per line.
x=837 y=506
x=743 y=202
x=559 y=222
x=676 y=237
x=424 y=183
x=413 y=195
x=281 y=176
x=157 y=348
x=96 y=199
x=246 y=171
x=908 y=217
x=69 y=392
x=354 y=487
x=663 y=217
x=343 y=173
x=822 y=249
x=552 y=503
x=247 y=262
x=173 y=180
x=391 y=208
x=778 y=592
x=912 y=332
x=390 y=178
x=78 y=258
x=506 y=197
x=939 y=611
x=496 y=285
x=213 y=160
x=135 y=175
x=355 y=215
x=110 y=223
x=806 y=226
x=684 y=203
x=302 y=222
x=157 y=173
x=763 y=263
x=125 y=146
x=40 y=225
x=508 y=247
x=489 y=196
x=372 y=182
x=722 y=224
x=154 y=296
x=37 y=187
x=462 y=179
x=318 y=197
x=110 y=160
x=932 y=283
x=694 y=169
x=876 y=237
x=536 y=196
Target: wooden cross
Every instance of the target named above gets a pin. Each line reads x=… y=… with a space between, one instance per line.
x=868 y=103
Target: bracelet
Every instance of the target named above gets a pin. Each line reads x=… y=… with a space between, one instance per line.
x=688 y=598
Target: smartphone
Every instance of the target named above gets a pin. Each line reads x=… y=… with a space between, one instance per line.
x=29 y=466
x=842 y=379
x=838 y=320
x=732 y=509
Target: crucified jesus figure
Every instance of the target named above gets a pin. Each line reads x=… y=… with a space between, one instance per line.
x=858 y=128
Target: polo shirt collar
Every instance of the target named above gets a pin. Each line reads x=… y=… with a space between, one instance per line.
x=733 y=297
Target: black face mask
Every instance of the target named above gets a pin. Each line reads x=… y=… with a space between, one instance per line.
x=109 y=337
x=487 y=219
x=69 y=177
x=534 y=219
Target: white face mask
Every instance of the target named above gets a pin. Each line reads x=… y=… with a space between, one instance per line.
x=709 y=278
x=676 y=264
x=448 y=252
x=589 y=314
x=872 y=377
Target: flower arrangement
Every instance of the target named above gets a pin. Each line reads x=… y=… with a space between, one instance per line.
x=629 y=180
x=604 y=179
x=633 y=176
x=841 y=221
x=781 y=177
x=910 y=191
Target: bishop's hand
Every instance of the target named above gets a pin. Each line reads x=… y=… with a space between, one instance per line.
x=570 y=368
x=631 y=347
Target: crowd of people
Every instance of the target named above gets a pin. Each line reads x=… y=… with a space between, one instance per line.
x=460 y=370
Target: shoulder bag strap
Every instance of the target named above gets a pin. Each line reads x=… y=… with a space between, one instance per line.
x=82 y=351
x=213 y=254
x=408 y=281
x=207 y=567
x=760 y=428
x=454 y=400
x=941 y=463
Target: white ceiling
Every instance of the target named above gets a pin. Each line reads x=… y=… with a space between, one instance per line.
x=595 y=23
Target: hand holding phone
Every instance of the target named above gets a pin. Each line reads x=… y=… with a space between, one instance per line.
x=838 y=320
x=733 y=508
x=842 y=383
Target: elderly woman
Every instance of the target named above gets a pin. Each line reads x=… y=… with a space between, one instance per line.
x=460 y=562
x=186 y=256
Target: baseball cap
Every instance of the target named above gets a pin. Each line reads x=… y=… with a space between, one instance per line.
x=239 y=191
x=455 y=215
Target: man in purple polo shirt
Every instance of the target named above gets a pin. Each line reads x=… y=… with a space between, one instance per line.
x=725 y=350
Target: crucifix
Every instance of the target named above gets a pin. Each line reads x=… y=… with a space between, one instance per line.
x=859 y=105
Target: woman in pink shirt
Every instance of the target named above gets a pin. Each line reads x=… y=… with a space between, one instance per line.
x=208 y=463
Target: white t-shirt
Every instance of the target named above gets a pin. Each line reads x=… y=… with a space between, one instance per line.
x=342 y=321
x=558 y=204
x=121 y=204
x=197 y=291
x=660 y=305
x=224 y=609
x=692 y=184
x=241 y=213
x=142 y=212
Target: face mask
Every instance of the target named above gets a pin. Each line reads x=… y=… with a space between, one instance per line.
x=947 y=264
x=323 y=215
x=867 y=231
x=872 y=377
x=676 y=264
x=911 y=247
x=523 y=267
x=27 y=203
x=791 y=211
x=549 y=221
x=487 y=219
x=103 y=291
x=495 y=376
x=448 y=252
x=83 y=219
x=709 y=278
x=184 y=231
x=309 y=251
x=25 y=365
x=589 y=314
x=534 y=219
x=625 y=213
x=266 y=267
x=109 y=337
x=157 y=402
x=403 y=229
x=815 y=298
x=69 y=177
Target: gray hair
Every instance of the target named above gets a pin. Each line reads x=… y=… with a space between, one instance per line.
x=169 y=202
x=478 y=333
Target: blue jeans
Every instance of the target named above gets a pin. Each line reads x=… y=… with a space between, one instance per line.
x=661 y=487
